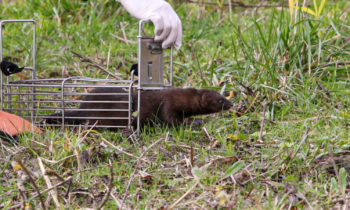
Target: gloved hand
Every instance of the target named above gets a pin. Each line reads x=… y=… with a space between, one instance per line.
x=167 y=24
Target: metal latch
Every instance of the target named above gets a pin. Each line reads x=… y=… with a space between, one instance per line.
x=155 y=47
x=150 y=62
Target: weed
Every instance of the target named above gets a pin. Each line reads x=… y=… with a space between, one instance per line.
x=295 y=62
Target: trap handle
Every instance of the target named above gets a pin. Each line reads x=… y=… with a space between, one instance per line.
x=156 y=49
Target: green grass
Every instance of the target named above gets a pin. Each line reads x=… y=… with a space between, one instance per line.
x=295 y=67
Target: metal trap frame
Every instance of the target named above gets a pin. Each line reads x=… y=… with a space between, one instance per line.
x=42 y=100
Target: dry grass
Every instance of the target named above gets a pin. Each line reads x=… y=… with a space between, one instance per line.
x=285 y=144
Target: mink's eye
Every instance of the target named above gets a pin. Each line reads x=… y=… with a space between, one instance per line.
x=221 y=101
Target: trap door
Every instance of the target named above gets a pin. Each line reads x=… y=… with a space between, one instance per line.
x=150 y=66
x=11 y=95
x=151 y=62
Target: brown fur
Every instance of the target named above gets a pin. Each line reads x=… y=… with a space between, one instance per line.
x=168 y=106
x=172 y=106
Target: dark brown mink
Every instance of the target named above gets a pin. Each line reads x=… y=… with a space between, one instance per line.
x=98 y=102
x=168 y=106
x=172 y=106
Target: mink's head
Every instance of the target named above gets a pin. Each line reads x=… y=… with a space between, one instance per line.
x=212 y=101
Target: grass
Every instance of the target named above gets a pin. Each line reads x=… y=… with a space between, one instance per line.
x=298 y=68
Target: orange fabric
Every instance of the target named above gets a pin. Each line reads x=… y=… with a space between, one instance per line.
x=14 y=125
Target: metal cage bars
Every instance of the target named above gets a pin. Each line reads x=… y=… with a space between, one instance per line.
x=35 y=88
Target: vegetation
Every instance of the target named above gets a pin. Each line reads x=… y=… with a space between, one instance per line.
x=284 y=145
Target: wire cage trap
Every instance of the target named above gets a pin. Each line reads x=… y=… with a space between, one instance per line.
x=75 y=101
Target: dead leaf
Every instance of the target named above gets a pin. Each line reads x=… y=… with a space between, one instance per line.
x=16 y=166
x=148 y=178
x=231 y=95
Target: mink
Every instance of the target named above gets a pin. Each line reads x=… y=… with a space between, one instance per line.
x=168 y=106
x=172 y=106
x=119 y=95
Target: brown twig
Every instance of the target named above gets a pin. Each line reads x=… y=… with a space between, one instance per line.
x=138 y=161
x=86 y=59
x=213 y=140
x=33 y=182
x=323 y=89
x=118 y=202
x=338 y=200
x=337 y=63
x=93 y=198
x=52 y=171
x=57 y=161
x=262 y=124
x=81 y=139
x=110 y=186
x=184 y=195
x=123 y=39
x=205 y=167
x=68 y=189
x=123 y=30
x=41 y=144
x=192 y=154
x=54 y=186
x=48 y=183
x=24 y=197
x=245 y=89
x=16 y=206
x=76 y=153
x=108 y=55
x=311 y=118
x=120 y=149
x=316 y=65
x=97 y=167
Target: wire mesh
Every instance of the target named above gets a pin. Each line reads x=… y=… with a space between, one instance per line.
x=71 y=101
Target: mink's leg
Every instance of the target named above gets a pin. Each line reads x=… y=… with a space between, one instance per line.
x=193 y=121
x=56 y=118
x=173 y=120
x=169 y=117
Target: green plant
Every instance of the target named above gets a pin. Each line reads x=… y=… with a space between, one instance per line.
x=316 y=11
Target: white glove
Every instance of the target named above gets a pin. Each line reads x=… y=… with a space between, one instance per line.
x=166 y=22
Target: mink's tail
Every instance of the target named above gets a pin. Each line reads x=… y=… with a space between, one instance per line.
x=70 y=117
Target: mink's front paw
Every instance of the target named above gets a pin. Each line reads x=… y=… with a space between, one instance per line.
x=196 y=122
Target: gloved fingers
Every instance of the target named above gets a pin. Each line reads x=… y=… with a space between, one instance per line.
x=172 y=35
x=178 y=41
x=158 y=24
x=166 y=22
x=167 y=28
